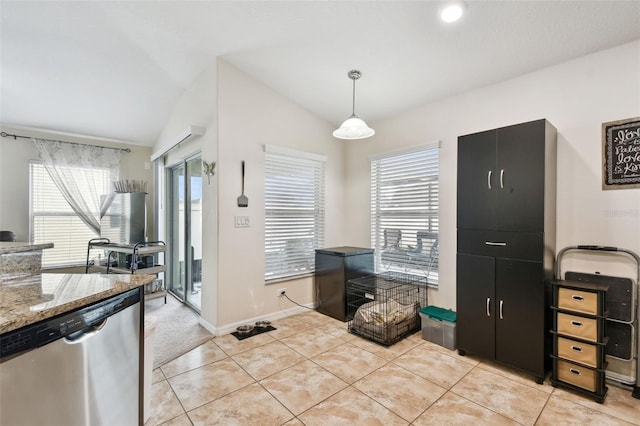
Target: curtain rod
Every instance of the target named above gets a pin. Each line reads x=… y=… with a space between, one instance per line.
x=6 y=135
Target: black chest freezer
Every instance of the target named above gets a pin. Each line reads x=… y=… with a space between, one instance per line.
x=334 y=268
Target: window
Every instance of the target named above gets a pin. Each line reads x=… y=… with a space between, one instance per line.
x=404 y=212
x=294 y=212
x=53 y=220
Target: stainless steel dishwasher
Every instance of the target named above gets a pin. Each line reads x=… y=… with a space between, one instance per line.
x=80 y=368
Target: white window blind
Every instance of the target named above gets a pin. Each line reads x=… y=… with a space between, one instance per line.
x=53 y=220
x=294 y=214
x=404 y=212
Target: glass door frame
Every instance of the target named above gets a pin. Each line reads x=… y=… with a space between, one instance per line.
x=185 y=228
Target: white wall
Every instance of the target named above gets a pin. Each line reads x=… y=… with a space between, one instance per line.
x=198 y=106
x=241 y=115
x=14 y=173
x=576 y=97
x=251 y=115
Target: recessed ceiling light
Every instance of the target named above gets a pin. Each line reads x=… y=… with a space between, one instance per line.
x=452 y=11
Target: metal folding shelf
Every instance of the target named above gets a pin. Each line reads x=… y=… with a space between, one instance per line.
x=623 y=349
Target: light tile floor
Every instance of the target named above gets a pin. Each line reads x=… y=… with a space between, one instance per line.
x=311 y=371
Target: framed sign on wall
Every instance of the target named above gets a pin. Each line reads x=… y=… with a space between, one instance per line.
x=621 y=154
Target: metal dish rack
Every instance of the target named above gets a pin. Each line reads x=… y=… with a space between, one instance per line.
x=623 y=349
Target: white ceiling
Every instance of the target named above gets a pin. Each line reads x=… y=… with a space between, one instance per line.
x=116 y=69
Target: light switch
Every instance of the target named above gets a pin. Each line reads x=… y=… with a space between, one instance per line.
x=242 y=221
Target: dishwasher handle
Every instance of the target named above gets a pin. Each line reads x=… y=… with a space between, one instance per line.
x=86 y=333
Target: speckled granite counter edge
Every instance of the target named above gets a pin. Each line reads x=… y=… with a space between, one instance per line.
x=9 y=247
x=22 y=314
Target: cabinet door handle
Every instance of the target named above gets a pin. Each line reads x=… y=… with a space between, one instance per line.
x=489 y=179
x=576 y=348
x=578 y=298
x=576 y=323
x=574 y=371
x=488 y=303
x=491 y=243
x=501 y=178
x=501 y=303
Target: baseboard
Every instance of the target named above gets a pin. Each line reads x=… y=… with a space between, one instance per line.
x=229 y=328
x=208 y=326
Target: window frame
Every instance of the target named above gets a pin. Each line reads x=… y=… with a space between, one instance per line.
x=411 y=217
x=78 y=248
x=293 y=255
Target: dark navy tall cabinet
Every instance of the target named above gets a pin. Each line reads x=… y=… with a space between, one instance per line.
x=506 y=204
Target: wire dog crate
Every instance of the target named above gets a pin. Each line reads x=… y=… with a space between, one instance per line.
x=385 y=306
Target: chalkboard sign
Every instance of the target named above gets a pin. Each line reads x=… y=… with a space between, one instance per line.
x=621 y=141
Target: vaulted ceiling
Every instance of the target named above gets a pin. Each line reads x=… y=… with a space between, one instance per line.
x=116 y=69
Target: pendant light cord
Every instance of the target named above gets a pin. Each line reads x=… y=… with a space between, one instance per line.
x=353 y=103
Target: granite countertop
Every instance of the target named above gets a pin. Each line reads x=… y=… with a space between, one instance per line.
x=27 y=300
x=19 y=247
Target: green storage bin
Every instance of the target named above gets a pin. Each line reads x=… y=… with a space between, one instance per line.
x=438 y=313
x=439 y=326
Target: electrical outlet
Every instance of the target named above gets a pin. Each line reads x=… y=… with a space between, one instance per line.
x=282 y=292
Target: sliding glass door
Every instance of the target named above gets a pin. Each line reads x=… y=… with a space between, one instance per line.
x=194 y=231
x=185 y=230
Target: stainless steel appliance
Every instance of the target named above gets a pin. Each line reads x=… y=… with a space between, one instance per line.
x=79 y=368
x=123 y=217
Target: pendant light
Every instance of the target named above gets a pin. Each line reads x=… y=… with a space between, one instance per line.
x=353 y=127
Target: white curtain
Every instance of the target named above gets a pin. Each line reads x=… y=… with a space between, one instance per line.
x=69 y=166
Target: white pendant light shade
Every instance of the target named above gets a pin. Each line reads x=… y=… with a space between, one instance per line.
x=354 y=127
